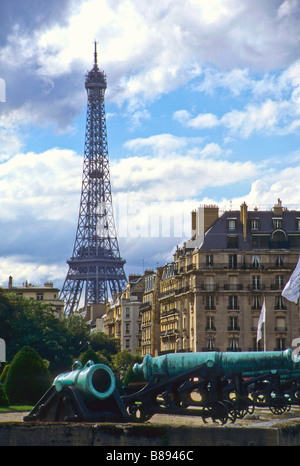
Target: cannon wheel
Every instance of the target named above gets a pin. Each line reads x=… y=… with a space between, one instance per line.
x=139 y=412
x=279 y=405
x=217 y=411
x=232 y=412
x=243 y=406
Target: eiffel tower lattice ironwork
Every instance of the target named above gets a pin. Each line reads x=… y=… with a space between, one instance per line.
x=95 y=266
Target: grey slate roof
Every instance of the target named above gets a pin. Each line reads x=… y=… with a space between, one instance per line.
x=217 y=236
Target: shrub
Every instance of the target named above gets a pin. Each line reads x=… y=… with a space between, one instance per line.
x=131 y=377
x=3 y=398
x=94 y=356
x=4 y=373
x=28 y=378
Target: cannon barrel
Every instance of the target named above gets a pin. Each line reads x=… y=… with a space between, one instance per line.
x=223 y=363
x=94 y=381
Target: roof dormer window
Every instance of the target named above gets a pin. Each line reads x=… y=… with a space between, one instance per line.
x=231 y=224
x=277 y=222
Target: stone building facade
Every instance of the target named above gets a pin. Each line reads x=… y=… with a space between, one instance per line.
x=210 y=296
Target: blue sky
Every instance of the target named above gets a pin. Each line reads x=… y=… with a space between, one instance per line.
x=203 y=107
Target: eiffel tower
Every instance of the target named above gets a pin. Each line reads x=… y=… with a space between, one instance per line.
x=95 y=266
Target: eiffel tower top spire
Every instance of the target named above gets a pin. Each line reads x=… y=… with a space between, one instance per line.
x=95 y=78
x=95 y=56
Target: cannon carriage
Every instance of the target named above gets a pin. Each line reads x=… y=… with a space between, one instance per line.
x=212 y=385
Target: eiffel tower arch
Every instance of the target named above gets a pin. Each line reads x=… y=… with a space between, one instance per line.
x=96 y=267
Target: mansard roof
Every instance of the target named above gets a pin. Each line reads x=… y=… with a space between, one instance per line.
x=222 y=231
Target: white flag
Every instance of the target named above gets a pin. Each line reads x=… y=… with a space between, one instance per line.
x=262 y=320
x=291 y=290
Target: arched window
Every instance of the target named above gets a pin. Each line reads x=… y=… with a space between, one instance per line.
x=279 y=240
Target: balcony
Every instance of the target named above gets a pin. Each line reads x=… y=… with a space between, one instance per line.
x=183 y=289
x=146 y=305
x=167 y=294
x=277 y=287
x=190 y=267
x=169 y=333
x=233 y=287
x=256 y=287
x=209 y=287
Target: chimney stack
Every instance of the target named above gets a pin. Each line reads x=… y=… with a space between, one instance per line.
x=10 y=282
x=244 y=219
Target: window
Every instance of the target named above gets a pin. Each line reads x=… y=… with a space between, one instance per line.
x=127 y=328
x=232 y=261
x=256 y=304
x=277 y=223
x=127 y=312
x=127 y=343
x=210 y=344
x=279 y=240
x=279 y=261
x=294 y=241
x=232 y=242
x=256 y=282
x=254 y=224
x=260 y=242
x=209 y=260
x=255 y=262
x=233 y=323
x=233 y=302
x=232 y=224
x=39 y=296
x=233 y=344
x=279 y=282
x=280 y=324
x=298 y=223
x=280 y=344
x=209 y=284
x=210 y=323
x=210 y=304
x=279 y=303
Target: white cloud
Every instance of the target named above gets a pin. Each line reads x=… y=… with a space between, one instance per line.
x=201 y=121
x=147 y=50
x=23 y=270
x=175 y=168
x=41 y=186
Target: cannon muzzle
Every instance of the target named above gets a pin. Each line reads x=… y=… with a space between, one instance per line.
x=94 y=381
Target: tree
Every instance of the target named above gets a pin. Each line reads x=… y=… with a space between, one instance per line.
x=34 y=324
x=28 y=378
x=123 y=360
x=97 y=358
x=102 y=343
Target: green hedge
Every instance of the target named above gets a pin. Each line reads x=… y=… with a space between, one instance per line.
x=3 y=398
x=28 y=378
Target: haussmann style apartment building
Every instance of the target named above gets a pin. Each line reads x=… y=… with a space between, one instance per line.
x=210 y=297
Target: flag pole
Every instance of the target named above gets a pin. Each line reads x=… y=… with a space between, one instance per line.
x=265 y=340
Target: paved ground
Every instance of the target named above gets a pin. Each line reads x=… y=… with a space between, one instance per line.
x=260 y=415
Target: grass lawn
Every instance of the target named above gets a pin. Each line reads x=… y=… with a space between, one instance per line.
x=14 y=409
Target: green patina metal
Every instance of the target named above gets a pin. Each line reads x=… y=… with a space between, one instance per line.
x=223 y=363
x=94 y=381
